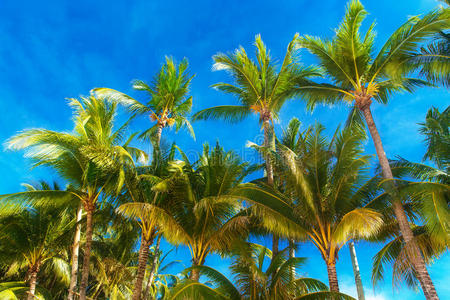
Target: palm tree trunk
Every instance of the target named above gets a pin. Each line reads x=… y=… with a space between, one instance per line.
x=332 y=277
x=292 y=255
x=87 y=251
x=158 y=135
x=358 y=282
x=413 y=251
x=195 y=274
x=33 y=279
x=142 y=264
x=268 y=145
x=75 y=252
x=269 y=170
x=153 y=266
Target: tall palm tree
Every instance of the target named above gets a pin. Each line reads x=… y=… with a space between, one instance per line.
x=159 y=281
x=290 y=140
x=427 y=193
x=16 y=202
x=327 y=180
x=36 y=239
x=356 y=74
x=169 y=101
x=198 y=210
x=139 y=183
x=90 y=158
x=255 y=279
x=114 y=261
x=259 y=87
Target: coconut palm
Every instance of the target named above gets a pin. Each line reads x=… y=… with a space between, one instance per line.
x=327 y=180
x=159 y=281
x=169 y=101
x=169 y=104
x=259 y=87
x=198 y=210
x=256 y=279
x=356 y=74
x=139 y=182
x=426 y=190
x=37 y=240
x=113 y=264
x=17 y=202
x=90 y=158
x=393 y=255
x=290 y=140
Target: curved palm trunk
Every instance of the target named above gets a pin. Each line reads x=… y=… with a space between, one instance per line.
x=153 y=266
x=75 y=253
x=332 y=277
x=413 y=250
x=268 y=136
x=358 y=282
x=87 y=252
x=142 y=264
x=34 y=270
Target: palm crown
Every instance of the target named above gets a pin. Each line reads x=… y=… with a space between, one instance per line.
x=204 y=214
x=258 y=86
x=169 y=101
x=355 y=71
x=325 y=192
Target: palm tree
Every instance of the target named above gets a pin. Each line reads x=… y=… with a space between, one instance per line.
x=91 y=158
x=393 y=255
x=139 y=182
x=290 y=140
x=36 y=239
x=437 y=137
x=198 y=210
x=159 y=281
x=326 y=179
x=426 y=192
x=17 y=202
x=169 y=97
x=114 y=261
x=355 y=74
x=169 y=104
x=255 y=279
x=259 y=88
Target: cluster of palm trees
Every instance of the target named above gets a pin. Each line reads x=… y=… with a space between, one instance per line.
x=99 y=236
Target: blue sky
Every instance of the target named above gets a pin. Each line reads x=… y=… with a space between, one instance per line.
x=56 y=49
